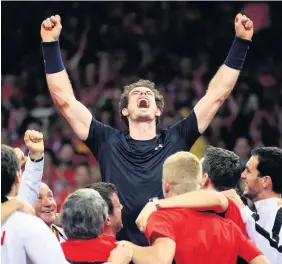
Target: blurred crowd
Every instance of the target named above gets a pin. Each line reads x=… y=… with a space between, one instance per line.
x=178 y=45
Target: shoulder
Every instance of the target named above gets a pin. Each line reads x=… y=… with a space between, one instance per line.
x=24 y=222
x=13 y=220
x=171 y=215
x=33 y=224
x=232 y=207
x=97 y=124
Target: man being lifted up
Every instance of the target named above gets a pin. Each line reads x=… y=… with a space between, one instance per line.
x=133 y=161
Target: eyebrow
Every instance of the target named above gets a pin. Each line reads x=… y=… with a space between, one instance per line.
x=247 y=168
x=137 y=90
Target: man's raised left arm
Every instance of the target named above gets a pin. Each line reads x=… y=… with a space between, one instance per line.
x=226 y=77
x=32 y=175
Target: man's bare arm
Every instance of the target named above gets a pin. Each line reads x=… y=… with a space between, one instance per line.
x=161 y=252
x=260 y=260
x=226 y=77
x=78 y=116
x=14 y=205
x=8 y=208
x=202 y=200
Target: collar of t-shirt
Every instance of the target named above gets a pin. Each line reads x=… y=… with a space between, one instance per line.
x=262 y=206
x=89 y=250
x=266 y=204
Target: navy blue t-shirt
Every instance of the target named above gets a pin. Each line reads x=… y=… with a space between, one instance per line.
x=135 y=166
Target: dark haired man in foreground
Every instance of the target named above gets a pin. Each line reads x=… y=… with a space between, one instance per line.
x=133 y=161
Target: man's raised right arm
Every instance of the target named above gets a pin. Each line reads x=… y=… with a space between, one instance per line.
x=77 y=115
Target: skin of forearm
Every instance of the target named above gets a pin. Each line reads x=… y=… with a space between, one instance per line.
x=202 y=200
x=223 y=82
x=60 y=87
x=146 y=255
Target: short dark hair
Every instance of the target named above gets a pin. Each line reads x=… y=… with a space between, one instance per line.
x=9 y=168
x=223 y=168
x=270 y=164
x=106 y=190
x=123 y=103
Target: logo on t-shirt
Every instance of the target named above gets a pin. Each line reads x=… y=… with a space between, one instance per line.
x=159 y=146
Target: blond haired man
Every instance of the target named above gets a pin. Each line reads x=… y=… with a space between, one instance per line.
x=186 y=235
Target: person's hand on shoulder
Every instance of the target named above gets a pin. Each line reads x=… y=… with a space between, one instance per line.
x=143 y=217
x=122 y=254
x=233 y=195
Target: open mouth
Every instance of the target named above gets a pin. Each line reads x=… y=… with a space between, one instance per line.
x=143 y=103
x=47 y=211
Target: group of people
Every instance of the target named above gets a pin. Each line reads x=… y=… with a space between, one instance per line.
x=124 y=219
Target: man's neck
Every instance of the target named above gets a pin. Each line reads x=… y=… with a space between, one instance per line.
x=142 y=130
x=170 y=194
x=210 y=187
x=13 y=192
x=266 y=195
x=108 y=232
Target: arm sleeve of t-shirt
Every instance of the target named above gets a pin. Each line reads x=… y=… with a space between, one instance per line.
x=98 y=134
x=31 y=180
x=187 y=130
x=247 y=250
x=233 y=213
x=160 y=225
x=40 y=243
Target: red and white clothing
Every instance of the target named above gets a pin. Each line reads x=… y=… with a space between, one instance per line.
x=27 y=239
x=200 y=237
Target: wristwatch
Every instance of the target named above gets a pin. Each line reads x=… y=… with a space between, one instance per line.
x=155 y=201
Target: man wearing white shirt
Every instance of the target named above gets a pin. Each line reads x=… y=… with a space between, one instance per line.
x=25 y=238
x=32 y=175
x=263 y=185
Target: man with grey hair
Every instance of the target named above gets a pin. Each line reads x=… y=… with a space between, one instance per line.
x=83 y=216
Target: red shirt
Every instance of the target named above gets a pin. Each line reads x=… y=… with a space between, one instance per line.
x=89 y=250
x=233 y=213
x=200 y=237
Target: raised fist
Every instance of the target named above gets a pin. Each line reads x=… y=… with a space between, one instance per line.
x=244 y=27
x=51 y=29
x=34 y=142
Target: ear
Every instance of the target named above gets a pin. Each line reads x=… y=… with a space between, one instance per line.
x=17 y=179
x=167 y=187
x=205 y=181
x=108 y=221
x=266 y=182
x=158 y=112
x=124 y=112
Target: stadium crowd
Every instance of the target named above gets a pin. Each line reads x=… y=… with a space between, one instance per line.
x=180 y=47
